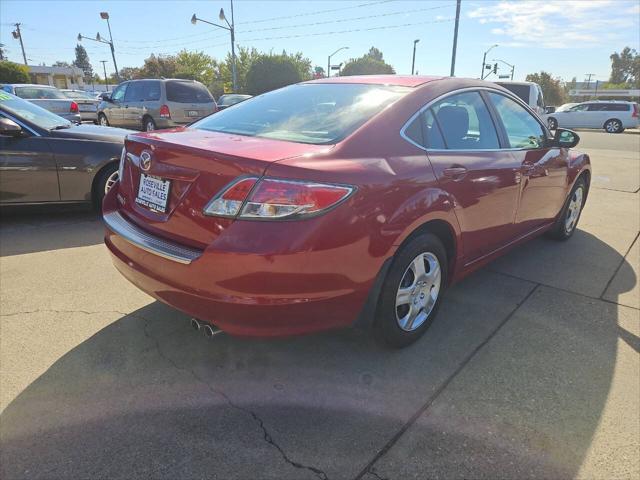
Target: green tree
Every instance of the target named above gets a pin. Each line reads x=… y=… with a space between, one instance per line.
x=195 y=66
x=625 y=67
x=552 y=89
x=371 y=63
x=269 y=72
x=129 y=73
x=159 y=66
x=13 y=72
x=61 y=64
x=82 y=61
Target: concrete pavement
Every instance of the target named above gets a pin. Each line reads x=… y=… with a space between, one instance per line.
x=530 y=370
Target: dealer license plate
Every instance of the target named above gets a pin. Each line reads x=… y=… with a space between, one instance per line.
x=153 y=193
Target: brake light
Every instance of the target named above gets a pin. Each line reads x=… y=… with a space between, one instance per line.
x=271 y=198
x=164 y=112
x=74 y=107
x=229 y=202
x=635 y=110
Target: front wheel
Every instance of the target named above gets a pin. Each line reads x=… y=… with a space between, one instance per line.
x=552 y=123
x=567 y=221
x=102 y=120
x=411 y=293
x=613 y=126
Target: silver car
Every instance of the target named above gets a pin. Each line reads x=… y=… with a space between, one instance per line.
x=87 y=104
x=49 y=98
x=155 y=104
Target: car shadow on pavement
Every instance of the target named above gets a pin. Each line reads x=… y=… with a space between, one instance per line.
x=149 y=397
x=48 y=230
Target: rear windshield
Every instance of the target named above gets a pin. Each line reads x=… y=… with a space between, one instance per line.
x=521 y=91
x=187 y=92
x=308 y=113
x=39 y=93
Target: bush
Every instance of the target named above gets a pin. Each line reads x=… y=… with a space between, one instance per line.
x=13 y=73
x=269 y=72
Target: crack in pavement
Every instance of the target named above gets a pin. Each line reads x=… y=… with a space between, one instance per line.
x=266 y=435
x=49 y=310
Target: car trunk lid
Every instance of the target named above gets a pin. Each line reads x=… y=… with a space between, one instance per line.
x=198 y=164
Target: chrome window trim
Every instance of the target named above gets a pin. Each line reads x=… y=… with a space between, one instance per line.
x=149 y=243
x=478 y=150
x=20 y=122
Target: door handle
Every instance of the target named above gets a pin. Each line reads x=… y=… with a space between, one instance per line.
x=455 y=173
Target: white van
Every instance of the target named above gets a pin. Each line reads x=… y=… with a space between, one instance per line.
x=529 y=92
x=613 y=116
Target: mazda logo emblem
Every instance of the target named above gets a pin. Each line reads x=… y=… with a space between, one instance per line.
x=145 y=160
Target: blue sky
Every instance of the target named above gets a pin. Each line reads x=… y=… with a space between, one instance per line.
x=566 y=38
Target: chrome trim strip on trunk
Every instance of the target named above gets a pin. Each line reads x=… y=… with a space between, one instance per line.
x=141 y=239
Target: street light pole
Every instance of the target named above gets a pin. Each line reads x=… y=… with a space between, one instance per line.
x=484 y=59
x=230 y=27
x=329 y=60
x=105 y=16
x=17 y=34
x=413 y=61
x=455 y=40
x=104 y=67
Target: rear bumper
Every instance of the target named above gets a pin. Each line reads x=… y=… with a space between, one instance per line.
x=244 y=293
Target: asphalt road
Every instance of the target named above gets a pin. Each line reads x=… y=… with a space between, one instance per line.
x=531 y=369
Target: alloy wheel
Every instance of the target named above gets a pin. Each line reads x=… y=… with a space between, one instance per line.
x=149 y=126
x=573 y=212
x=612 y=126
x=111 y=180
x=418 y=291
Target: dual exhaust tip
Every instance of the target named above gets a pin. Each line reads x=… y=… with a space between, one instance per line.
x=209 y=330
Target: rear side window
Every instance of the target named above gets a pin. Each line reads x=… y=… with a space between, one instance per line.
x=616 y=107
x=151 y=91
x=523 y=130
x=187 y=92
x=464 y=122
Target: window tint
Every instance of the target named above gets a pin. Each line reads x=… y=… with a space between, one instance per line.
x=414 y=131
x=39 y=93
x=151 y=90
x=523 y=130
x=118 y=93
x=135 y=92
x=187 y=92
x=521 y=91
x=465 y=123
x=317 y=113
x=616 y=107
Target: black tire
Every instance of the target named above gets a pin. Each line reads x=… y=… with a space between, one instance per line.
x=386 y=326
x=613 y=125
x=552 y=123
x=148 y=125
x=103 y=182
x=560 y=230
x=102 y=120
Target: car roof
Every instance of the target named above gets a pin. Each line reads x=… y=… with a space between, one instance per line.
x=30 y=85
x=396 y=80
x=516 y=83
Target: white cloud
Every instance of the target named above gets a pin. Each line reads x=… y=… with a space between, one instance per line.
x=555 y=24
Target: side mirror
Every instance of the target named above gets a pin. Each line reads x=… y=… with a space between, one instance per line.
x=9 y=128
x=106 y=97
x=549 y=109
x=565 y=138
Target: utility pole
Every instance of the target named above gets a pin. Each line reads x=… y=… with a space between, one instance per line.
x=18 y=35
x=455 y=40
x=413 y=62
x=106 y=82
x=105 y=16
x=589 y=75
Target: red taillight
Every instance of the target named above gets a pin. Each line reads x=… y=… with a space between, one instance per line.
x=74 y=107
x=274 y=199
x=164 y=112
x=635 y=110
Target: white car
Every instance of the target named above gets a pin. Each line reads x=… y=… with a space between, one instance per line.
x=613 y=116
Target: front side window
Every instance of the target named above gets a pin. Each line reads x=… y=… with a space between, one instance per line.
x=118 y=93
x=306 y=113
x=464 y=123
x=579 y=108
x=523 y=130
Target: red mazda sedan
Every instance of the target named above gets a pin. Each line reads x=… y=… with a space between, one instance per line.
x=337 y=202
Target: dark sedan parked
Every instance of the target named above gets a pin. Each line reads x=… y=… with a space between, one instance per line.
x=47 y=159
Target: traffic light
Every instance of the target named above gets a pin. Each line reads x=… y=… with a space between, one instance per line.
x=495 y=68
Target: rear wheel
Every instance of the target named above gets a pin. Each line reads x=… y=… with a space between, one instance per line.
x=552 y=123
x=567 y=221
x=105 y=181
x=148 y=125
x=102 y=120
x=613 y=126
x=410 y=295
